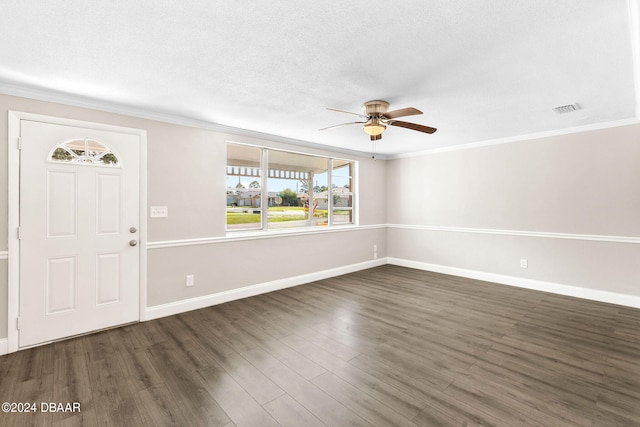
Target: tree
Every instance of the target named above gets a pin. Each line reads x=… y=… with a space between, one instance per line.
x=319 y=189
x=289 y=197
x=254 y=184
x=109 y=159
x=304 y=185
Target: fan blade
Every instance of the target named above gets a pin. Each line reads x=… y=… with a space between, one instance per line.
x=412 y=126
x=403 y=112
x=376 y=137
x=343 y=124
x=348 y=112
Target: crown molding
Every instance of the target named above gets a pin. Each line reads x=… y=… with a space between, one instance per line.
x=48 y=95
x=527 y=137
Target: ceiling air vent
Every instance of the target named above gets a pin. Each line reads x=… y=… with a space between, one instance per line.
x=566 y=108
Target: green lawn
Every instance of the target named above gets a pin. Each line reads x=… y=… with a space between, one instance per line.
x=285 y=208
x=248 y=218
x=242 y=218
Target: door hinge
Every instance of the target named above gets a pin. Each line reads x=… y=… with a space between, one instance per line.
x=19 y=143
x=18 y=323
x=19 y=233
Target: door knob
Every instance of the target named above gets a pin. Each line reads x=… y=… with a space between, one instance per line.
x=133 y=230
x=133 y=242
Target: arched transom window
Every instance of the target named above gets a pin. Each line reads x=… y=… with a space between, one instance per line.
x=84 y=151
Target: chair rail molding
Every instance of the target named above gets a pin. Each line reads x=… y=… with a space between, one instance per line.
x=523 y=233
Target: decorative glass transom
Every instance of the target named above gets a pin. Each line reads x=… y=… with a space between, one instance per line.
x=84 y=151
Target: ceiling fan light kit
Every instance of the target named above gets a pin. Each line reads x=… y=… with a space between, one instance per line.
x=377 y=118
x=374 y=127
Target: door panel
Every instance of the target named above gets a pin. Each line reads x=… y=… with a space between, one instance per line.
x=78 y=272
x=108 y=278
x=60 y=288
x=61 y=204
x=108 y=209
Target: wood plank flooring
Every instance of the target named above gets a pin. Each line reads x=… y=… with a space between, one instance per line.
x=389 y=346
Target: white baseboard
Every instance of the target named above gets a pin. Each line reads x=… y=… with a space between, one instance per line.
x=177 y=307
x=4 y=349
x=538 y=285
x=182 y=306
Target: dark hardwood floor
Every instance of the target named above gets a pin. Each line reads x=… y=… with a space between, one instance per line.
x=389 y=346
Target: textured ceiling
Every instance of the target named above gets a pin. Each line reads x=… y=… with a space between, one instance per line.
x=479 y=70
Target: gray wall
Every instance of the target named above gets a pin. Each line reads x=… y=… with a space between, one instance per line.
x=547 y=200
x=186 y=172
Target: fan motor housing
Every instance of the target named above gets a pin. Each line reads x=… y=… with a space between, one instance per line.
x=375 y=107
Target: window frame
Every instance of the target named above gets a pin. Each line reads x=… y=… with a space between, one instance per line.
x=84 y=159
x=264 y=193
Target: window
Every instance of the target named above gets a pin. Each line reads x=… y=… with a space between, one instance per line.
x=342 y=192
x=272 y=189
x=244 y=187
x=84 y=151
x=296 y=179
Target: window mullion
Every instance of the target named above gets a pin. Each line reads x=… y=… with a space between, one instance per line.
x=354 y=194
x=311 y=199
x=330 y=194
x=264 y=193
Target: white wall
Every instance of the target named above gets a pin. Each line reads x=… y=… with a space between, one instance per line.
x=568 y=204
x=3 y=298
x=186 y=172
x=229 y=265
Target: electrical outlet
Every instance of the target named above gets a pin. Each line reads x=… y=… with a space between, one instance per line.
x=524 y=263
x=190 y=281
x=158 y=212
x=375 y=248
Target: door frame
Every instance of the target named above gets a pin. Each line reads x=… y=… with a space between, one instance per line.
x=13 y=284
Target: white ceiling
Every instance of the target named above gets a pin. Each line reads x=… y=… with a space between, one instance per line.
x=479 y=70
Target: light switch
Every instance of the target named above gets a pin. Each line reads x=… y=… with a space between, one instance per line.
x=159 y=212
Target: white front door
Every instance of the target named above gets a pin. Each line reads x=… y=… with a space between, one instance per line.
x=79 y=218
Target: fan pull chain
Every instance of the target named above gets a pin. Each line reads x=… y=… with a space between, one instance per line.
x=373 y=150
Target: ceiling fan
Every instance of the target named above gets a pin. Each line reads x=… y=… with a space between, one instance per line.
x=376 y=118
